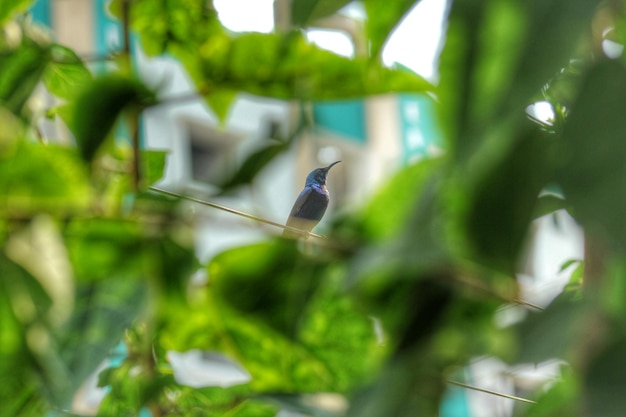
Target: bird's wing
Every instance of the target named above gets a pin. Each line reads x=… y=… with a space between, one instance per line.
x=300 y=202
x=307 y=210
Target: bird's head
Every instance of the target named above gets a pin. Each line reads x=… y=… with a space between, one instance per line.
x=318 y=175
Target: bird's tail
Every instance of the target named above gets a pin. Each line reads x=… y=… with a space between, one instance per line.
x=303 y=225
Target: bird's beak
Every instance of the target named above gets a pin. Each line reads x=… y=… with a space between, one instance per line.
x=330 y=166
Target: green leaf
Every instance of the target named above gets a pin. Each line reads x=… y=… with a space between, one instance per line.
x=132 y=386
x=115 y=262
x=388 y=210
x=553 y=332
x=287 y=66
x=297 y=404
x=36 y=178
x=549 y=203
x=8 y=8
x=556 y=29
x=20 y=72
x=220 y=102
x=242 y=275
x=498 y=56
x=97 y=108
x=306 y=12
x=410 y=386
x=605 y=381
x=313 y=337
x=504 y=200
x=254 y=163
x=66 y=73
x=561 y=399
x=153 y=165
x=104 y=248
x=103 y=311
x=29 y=352
x=382 y=18
x=591 y=171
x=163 y=24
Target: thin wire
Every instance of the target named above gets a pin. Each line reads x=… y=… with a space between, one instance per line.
x=237 y=212
x=488 y=391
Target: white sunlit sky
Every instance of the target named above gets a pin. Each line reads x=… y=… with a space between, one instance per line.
x=414 y=43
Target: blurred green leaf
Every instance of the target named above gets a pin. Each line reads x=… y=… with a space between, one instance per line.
x=11 y=7
x=382 y=18
x=387 y=211
x=132 y=387
x=552 y=333
x=107 y=256
x=102 y=249
x=37 y=178
x=103 y=311
x=172 y=265
x=66 y=74
x=563 y=87
x=254 y=163
x=498 y=55
x=306 y=12
x=590 y=166
x=302 y=320
x=563 y=398
x=422 y=243
x=243 y=277
x=287 y=66
x=440 y=326
x=556 y=29
x=410 y=386
x=613 y=290
x=217 y=402
x=153 y=165
x=97 y=108
x=21 y=70
x=220 y=102
x=605 y=381
x=27 y=355
x=503 y=203
x=162 y=24
x=297 y=404
x=549 y=203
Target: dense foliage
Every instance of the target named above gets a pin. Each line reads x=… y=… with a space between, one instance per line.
x=90 y=257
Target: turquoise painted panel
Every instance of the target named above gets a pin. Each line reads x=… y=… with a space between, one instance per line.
x=41 y=12
x=454 y=403
x=342 y=117
x=418 y=123
x=107 y=30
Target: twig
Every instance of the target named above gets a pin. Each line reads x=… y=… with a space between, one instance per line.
x=134 y=122
x=136 y=169
x=477 y=285
x=126 y=27
x=528 y=304
x=109 y=56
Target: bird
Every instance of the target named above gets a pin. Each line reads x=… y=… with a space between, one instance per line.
x=311 y=204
